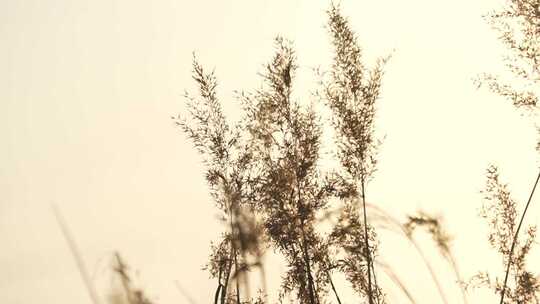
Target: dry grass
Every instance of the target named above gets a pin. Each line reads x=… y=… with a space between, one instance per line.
x=264 y=177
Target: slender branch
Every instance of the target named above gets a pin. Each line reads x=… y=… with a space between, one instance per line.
x=514 y=241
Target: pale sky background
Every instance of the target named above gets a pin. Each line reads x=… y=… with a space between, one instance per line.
x=87 y=89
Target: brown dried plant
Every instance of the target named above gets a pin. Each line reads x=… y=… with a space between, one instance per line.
x=289 y=190
x=264 y=173
x=499 y=210
x=518 y=25
x=348 y=236
x=351 y=93
x=228 y=161
x=264 y=177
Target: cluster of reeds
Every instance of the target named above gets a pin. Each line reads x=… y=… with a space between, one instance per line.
x=518 y=25
x=264 y=176
x=269 y=166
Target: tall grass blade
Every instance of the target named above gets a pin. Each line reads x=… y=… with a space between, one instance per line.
x=76 y=255
x=184 y=293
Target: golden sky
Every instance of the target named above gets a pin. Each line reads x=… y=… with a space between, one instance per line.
x=87 y=89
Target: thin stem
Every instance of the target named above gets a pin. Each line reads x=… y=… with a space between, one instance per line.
x=400 y=228
x=366 y=241
x=514 y=241
x=226 y=284
x=304 y=249
x=232 y=221
x=76 y=255
x=458 y=277
x=333 y=287
x=218 y=290
x=122 y=272
x=308 y=267
x=216 y=295
x=431 y=270
x=375 y=280
x=397 y=281
x=236 y=277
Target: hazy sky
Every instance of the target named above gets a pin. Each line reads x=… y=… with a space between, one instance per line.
x=87 y=89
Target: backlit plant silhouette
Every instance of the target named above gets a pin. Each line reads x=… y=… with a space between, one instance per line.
x=265 y=177
x=269 y=166
x=499 y=210
x=351 y=93
x=228 y=167
x=272 y=194
x=518 y=24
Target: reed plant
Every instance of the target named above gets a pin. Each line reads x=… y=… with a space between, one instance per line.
x=265 y=176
